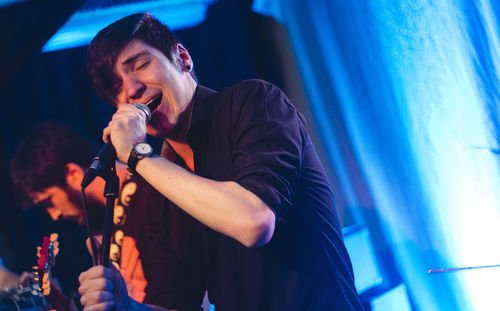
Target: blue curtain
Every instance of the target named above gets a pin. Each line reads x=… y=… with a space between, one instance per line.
x=416 y=84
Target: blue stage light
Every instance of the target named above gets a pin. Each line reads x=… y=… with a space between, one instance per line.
x=82 y=26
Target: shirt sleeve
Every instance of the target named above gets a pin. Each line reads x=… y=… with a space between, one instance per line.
x=267 y=135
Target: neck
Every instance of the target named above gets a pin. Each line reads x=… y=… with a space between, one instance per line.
x=184 y=151
x=179 y=134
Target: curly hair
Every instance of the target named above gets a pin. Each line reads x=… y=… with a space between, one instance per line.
x=40 y=159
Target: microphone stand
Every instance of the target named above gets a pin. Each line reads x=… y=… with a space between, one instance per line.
x=111 y=190
x=103 y=165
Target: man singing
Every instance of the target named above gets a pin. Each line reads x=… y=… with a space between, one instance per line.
x=264 y=232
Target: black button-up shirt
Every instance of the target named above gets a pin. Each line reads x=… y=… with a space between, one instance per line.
x=252 y=134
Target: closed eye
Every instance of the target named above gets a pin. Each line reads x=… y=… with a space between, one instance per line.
x=142 y=65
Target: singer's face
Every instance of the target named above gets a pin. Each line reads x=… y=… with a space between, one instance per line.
x=146 y=76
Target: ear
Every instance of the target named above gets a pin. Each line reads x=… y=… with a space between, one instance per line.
x=74 y=175
x=183 y=59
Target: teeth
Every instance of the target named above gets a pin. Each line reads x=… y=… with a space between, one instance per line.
x=153 y=104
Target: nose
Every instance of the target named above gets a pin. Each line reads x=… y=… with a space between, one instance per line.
x=133 y=87
x=54 y=213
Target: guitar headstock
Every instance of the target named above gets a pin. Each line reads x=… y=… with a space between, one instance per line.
x=46 y=260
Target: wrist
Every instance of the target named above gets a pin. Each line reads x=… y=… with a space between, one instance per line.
x=138 y=152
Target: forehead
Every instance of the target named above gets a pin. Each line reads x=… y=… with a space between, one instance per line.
x=44 y=194
x=134 y=50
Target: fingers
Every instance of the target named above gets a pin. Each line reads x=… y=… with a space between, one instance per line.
x=106 y=134
x=97 y=298
x=97 y=272
x=129 y=114
x=127 y=117
x=95 y=285
x=126 y=128
x=26 y=279
x=100 y=306
x=96 y=288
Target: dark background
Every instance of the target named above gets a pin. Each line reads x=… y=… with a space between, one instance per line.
x=232 y=44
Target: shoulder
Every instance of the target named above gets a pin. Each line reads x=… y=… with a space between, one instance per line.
x=250 y=97
x=251 y=87
x=256 y=104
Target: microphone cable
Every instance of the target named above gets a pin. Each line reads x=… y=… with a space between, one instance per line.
x=89 y=231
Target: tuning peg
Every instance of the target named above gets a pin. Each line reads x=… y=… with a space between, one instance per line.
x=54 y=237
x=46 y=285
x=56 y=248
x=45 y=281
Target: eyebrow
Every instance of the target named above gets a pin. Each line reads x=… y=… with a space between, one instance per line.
x=134 y=57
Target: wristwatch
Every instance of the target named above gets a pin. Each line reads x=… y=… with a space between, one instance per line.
x=139 y=151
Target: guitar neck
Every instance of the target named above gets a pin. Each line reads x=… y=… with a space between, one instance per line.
x=58 y=300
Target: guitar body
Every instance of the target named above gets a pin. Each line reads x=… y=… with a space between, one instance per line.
x=23 y=298
x=58 y=301
x=43 y=294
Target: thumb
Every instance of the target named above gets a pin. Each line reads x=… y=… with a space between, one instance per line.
x=94 y=248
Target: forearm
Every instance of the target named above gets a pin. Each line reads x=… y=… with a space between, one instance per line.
x=225 y=207
x=7 y=278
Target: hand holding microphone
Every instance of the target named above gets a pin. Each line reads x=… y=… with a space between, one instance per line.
x=126 y=128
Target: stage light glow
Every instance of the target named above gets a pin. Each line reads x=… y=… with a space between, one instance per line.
x=6 y=3
x=417 y=83
x=84 y=25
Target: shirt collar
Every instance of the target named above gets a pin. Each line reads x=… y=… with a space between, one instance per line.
x=201 y=116
x=202 y=108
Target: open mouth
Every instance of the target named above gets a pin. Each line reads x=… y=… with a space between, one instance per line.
x=152 y=105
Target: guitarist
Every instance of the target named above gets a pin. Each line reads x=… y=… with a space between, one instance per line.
x=48 y=168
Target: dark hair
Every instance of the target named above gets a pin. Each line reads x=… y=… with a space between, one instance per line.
x=41 y=158
x=110 y=41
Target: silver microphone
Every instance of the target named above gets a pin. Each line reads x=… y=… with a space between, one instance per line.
x=144 y=109
x=107 y=155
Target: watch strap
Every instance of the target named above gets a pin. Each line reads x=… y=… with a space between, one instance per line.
x=134 y=158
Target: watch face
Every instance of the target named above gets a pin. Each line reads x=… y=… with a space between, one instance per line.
x=143 y=148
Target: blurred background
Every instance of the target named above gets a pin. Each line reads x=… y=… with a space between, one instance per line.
x=401 y=98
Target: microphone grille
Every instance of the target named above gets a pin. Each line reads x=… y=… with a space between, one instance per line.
x=144 y=109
